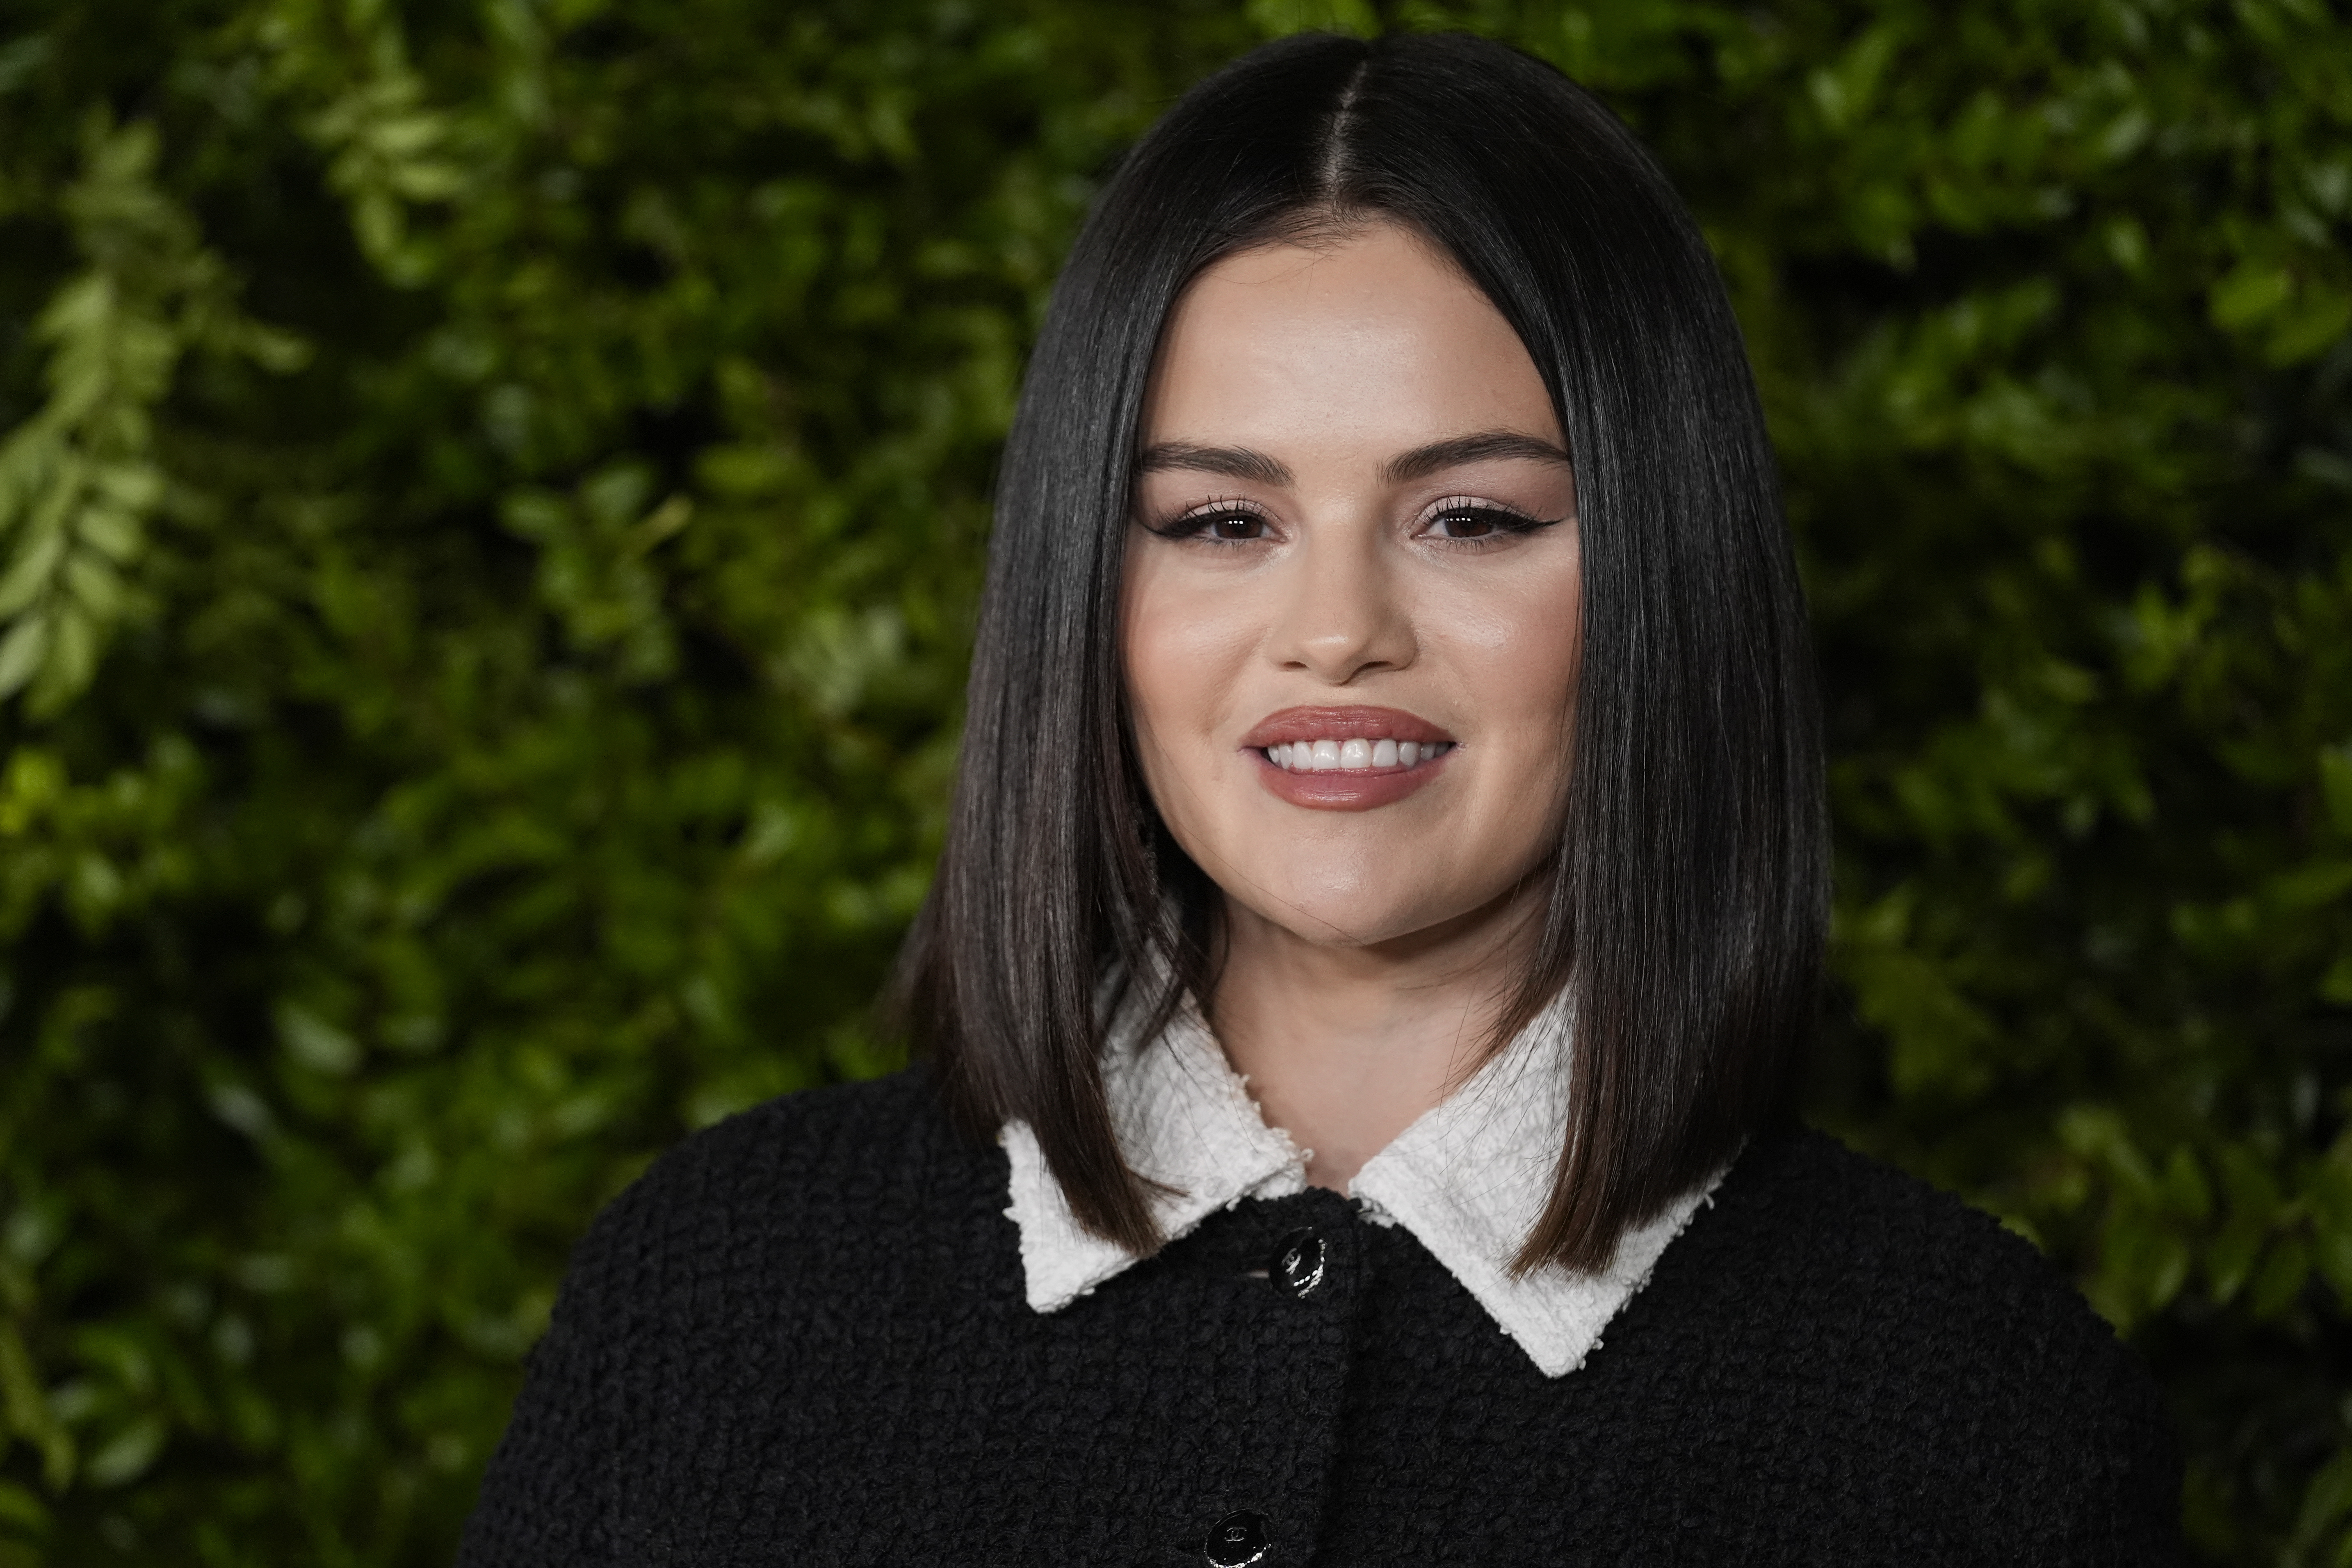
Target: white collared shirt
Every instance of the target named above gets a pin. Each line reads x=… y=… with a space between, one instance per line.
x=1468 y=1179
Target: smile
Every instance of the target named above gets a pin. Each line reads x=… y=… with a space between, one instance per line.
x=1346 y=759
x=1354 y=754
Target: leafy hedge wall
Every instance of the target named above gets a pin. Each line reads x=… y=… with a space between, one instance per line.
x=489 y=513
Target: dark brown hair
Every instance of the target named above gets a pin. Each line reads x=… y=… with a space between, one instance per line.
x=1686 y=903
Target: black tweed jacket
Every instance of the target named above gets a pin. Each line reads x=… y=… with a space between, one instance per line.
x=802 y=1339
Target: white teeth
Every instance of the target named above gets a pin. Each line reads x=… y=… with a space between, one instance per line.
x=1329 y=756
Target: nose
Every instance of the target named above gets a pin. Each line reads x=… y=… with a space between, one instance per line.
x=1342 y=617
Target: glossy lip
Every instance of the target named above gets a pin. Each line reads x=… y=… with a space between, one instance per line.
x=1365 y=789
x=1353 y=723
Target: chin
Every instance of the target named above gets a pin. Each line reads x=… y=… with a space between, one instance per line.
x=1329 y=919
x=1364 y=900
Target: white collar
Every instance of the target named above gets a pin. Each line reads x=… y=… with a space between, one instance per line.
x=1468 y=1180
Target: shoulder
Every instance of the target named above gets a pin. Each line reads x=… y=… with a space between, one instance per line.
x=1806 y=1188
x=1834 y=1241
x=785 y=1184
x=824 y=1141
x=1842 y=1231
x=1901 y=1323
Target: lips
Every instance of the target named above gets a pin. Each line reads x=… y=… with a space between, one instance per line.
x=1352 y=723
x=1346 y=759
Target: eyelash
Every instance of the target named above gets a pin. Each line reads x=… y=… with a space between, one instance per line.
x=1507 y=521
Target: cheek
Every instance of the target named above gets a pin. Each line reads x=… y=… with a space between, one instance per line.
x=1179 y=648
x=1517 y=651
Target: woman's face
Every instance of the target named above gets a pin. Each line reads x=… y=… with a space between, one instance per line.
x=1350 y=619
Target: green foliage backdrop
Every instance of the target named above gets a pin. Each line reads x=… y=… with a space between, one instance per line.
x=490 y=504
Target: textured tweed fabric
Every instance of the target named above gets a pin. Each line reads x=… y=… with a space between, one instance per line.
x=803 y=1338
x=1469 y=1178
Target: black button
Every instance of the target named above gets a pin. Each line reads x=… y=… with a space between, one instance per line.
x=1297 y=1266
x=1237 y=1540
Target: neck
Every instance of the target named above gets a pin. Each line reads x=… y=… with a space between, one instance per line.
x=1346 y=1045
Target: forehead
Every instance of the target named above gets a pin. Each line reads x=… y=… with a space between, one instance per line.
x=1371 y=339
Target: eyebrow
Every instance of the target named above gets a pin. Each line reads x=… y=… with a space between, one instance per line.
x=1233 y=462
x=1256 y=468
x=1486 y=446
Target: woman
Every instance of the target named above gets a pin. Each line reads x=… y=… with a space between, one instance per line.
x=1382 y=909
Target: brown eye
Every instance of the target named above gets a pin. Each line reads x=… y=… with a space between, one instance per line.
x=1233 y=527
x=1468 y=523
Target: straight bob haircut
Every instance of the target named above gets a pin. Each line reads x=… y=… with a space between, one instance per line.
x=1686 y=902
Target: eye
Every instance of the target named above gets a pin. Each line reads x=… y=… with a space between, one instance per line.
x=1472 y=521
x=1220 y=524
x=1231 y=527
x=1465 y=522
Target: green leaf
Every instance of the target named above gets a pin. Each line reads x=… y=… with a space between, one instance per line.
x=95 y=584
x=1843 y=92
x=1280 y=18
x=2278 y=1282
x=2312 y=886
x=2335 y=785
x=72 y=658
x=315 y=1043
x=129 y=1453
x=2333 y=1239
x=30 y=572
x=2253 y=290
x=27 y=1406
x=22 y=1513
x=22 y=651
x=2328 y=1499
